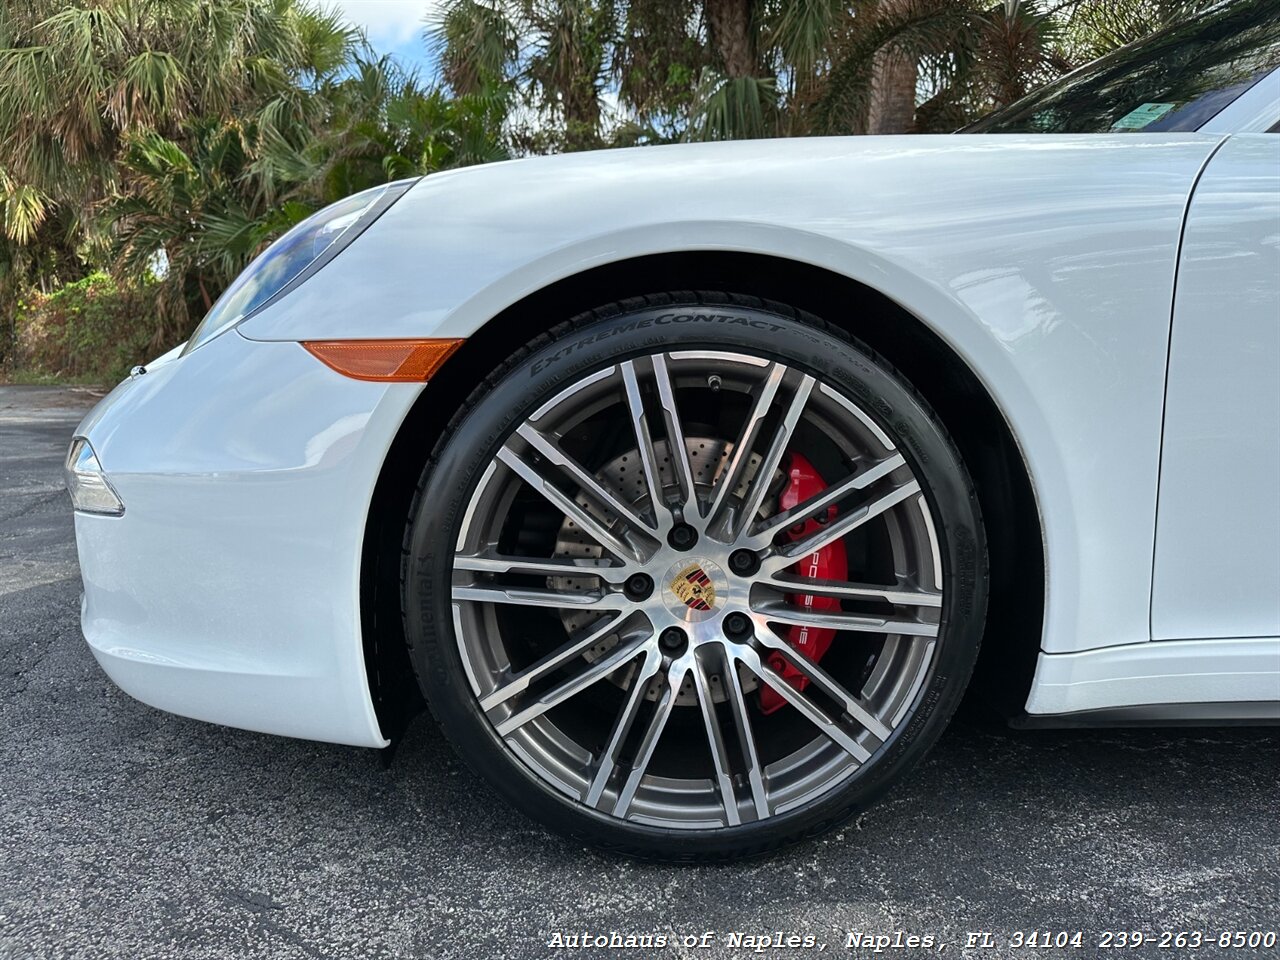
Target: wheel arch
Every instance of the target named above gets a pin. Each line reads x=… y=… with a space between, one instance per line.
x=1006 y=666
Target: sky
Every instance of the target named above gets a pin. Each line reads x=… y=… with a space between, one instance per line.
x=393 y=26
x=396 y=27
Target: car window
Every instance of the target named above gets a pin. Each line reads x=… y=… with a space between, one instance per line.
x=1177 y=79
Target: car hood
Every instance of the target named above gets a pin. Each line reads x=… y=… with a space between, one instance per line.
x=460 y=246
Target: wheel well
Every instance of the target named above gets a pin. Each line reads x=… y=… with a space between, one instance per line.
x=1003 y=676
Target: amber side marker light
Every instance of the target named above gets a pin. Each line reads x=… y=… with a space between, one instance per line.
x=384 y=361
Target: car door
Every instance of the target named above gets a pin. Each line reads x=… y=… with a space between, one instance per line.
x=1217 y=548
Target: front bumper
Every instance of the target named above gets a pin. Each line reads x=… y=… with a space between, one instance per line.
x=229 y=590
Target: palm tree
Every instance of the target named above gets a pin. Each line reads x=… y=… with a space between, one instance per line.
x=134 y=132
x=75 y=80
x=212 y=201
x=728 y=69
x=894 y=76
x=376 y=122
x=546 y=57
x=1091 y=28
x=190 y=134
x=183 y=204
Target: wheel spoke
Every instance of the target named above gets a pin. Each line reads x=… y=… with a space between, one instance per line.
x=852 y=705
x=677 y=448
x=742 y=723
x=644 y=442
x=550 y=663
x=535 y=597
x=649 y=742
x=741 y=459
x=768 y=529
x=759 y=485
x=840 y=527
x=715 y=739
x=552 y=567
x=780 y=612
x=806 y=707
x=589 y=484
x=899 y=596
x=573 y=686
x=589 y=524
x=608 y=761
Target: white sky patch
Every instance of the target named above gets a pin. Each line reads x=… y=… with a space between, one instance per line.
x=389 y=22
x=612 y=113
x=392 y=26
x=398 y=27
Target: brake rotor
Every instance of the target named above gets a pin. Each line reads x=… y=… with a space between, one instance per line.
x=623 y=476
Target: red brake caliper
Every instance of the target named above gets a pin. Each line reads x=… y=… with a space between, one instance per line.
x=826 y=563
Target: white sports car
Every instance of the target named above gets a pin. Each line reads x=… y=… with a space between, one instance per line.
x=683 y=483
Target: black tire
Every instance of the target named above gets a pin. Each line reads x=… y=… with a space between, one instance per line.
x=606 y=336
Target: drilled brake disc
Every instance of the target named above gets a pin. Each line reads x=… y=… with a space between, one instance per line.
x=624 y=477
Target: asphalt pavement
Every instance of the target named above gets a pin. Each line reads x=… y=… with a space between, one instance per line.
x=126 y=832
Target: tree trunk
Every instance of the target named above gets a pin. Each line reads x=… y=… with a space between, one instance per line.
x=893 y=95
x=581 y=105
x=729 y=25
x=893 y=87
x=204 y=293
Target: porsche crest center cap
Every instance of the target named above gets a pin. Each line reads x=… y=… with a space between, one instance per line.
x=692 y=588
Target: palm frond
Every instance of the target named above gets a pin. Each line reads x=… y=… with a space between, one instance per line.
x=151 y=87
x=24 y=210
x=938 y=31
x=802 y=31
x=733 y=108
x=476 y=42
x=326 y=42
x=659 y=55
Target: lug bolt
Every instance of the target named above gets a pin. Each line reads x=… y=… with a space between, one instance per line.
x=744 y=562
x=682 y=536
x=737 y=625
x=638 y=587
x=671 y=639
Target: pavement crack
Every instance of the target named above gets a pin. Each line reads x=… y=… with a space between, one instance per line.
x=38 y=501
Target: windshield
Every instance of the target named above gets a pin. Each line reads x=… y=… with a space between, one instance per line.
x=1177 y=79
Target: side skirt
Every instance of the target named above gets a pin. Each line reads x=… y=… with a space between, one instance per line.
x=1201 y=681
x=1251 y=714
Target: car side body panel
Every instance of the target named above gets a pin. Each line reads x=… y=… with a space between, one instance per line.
x=1047 y=264
x=1217 y=552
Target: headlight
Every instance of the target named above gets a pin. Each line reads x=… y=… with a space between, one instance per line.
x=90 y=490
x=294 y=257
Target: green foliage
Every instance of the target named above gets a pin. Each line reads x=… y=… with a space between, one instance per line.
x=733 y=69
x=89 y=330
x=733 y=108
x=546 y=60
x=1091 y=28
x=478 y=44
x=191 y=133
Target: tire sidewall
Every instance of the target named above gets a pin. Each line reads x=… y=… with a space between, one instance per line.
x=553 y=363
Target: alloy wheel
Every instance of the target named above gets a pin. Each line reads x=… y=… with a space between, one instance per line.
x=638 y=600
